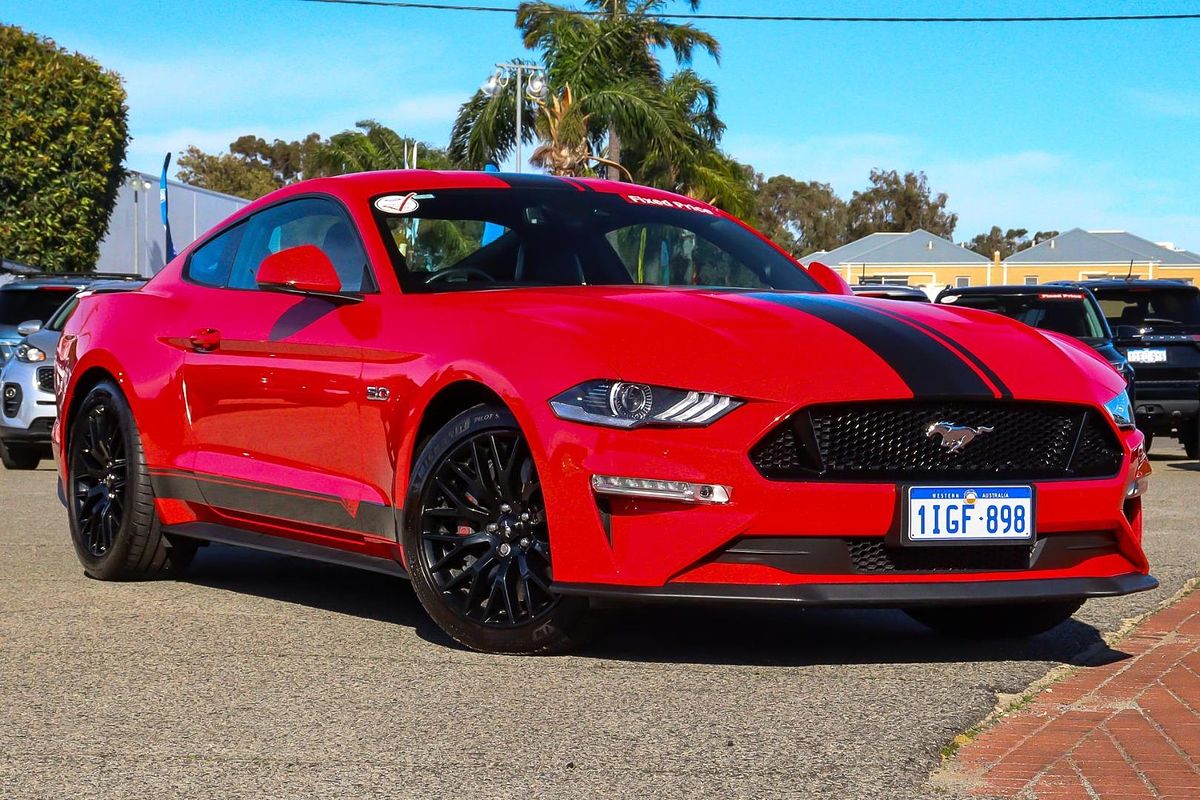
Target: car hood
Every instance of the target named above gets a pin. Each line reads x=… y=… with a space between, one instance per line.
x=793 y=346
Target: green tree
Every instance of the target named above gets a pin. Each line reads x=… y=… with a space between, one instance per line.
x=899 y=203
x=1008 y=242
x=374 y=146
x=63 y=134
x=617 y=45
x=227 y=173
x=799 y=216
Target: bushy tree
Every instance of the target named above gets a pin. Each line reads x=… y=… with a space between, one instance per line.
x=899 y=203
x=799 y=216
x=1008 y=242
x=63 y=134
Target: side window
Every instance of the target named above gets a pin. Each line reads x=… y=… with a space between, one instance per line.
x=210 y=263
x=313 y=221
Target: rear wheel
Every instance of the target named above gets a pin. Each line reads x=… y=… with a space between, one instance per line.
x=15 y=456
x=995 y=621
x=477 y=543
x=110 y=503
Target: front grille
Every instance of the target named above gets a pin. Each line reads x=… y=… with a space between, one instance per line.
x=890 y=442
x=870 y=555
x=45 y=379
x=11 y=399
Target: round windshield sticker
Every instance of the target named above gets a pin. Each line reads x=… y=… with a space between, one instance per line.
x=398 y=203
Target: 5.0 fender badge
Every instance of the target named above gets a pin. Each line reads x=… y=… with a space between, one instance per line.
x=398 y=203
x=379 y=393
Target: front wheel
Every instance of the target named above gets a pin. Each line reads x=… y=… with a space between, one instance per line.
x=477 y=544
x=1190 y=436
x=1016 y=620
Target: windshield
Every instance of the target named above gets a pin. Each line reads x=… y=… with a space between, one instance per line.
x=483 y=238
x=1142 y=306
x=1061 y=312
x=23 y=305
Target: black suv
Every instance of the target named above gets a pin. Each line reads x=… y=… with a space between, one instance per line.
x=1157 y=327
x=1073 y=311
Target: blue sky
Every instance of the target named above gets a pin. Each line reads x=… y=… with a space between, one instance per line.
x=1038 y=126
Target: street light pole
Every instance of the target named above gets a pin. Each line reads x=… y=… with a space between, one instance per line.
x=535 y=87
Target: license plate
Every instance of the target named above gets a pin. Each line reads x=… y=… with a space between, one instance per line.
x=1148 y=356
x=969 y=514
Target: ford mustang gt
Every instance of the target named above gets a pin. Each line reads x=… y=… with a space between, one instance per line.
x=526 y=392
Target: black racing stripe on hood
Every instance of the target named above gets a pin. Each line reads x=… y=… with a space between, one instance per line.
x=962 y=351
x=925 y=364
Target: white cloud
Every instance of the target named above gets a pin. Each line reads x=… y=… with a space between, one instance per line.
x=1159 y=103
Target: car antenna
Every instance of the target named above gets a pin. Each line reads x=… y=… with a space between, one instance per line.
x=1129 y=275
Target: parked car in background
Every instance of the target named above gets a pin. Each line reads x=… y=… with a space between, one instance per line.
x=890 y=292
x=1072 y=311
x=525 y=392
x=1157 y=327
x=35 y=298
x=27 y=407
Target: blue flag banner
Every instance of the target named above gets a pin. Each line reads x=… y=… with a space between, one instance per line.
x=491 y=231
x=162 y=202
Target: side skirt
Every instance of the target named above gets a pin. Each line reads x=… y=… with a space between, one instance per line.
x=227 y=534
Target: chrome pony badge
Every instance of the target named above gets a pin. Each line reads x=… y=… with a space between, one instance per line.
x=955 y=437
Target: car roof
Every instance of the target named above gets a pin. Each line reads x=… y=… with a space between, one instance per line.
x=66 y=279
x=1122 y=283
x=1013 y=289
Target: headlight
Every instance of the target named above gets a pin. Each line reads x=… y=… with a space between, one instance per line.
x=1121 y=410
x=29 y=354
x=619 y=404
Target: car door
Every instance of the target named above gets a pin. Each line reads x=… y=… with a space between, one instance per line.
x=273 y=380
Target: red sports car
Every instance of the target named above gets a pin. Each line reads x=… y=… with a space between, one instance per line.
x=523 y=392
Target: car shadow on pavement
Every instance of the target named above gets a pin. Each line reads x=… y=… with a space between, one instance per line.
x=719 y=635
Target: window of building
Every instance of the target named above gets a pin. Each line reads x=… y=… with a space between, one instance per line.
x=1031 y=280
x=884 y=280
x=961 y=282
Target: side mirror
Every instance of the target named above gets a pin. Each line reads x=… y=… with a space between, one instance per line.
x=29 y=327
x=1125 y=333
x=829 y=280
x=300 y=270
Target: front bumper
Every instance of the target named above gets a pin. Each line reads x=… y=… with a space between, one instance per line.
x=886 y=595
x=655 y=548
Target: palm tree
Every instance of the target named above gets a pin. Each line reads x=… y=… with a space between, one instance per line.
x=611 y=46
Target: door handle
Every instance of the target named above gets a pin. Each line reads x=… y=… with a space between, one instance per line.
x=205 y=340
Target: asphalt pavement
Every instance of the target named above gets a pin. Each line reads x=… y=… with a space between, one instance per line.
x=263 y=676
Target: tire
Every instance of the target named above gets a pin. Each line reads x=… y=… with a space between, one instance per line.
x=1017 y=620
x=1149 y=441
x=16 y=457
x=476 y=541
x=110 y=503
x=1190 y=436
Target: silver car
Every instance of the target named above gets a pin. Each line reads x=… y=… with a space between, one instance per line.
x=27 y=403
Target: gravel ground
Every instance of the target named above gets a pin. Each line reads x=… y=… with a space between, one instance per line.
x=262 y=676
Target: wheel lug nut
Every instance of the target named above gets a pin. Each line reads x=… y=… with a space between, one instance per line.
x=492 y=527
x=505 y=508
x=524 y=543
x=525 y=517
x=505 y=549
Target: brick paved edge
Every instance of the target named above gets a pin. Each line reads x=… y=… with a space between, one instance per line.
x=1127 y=729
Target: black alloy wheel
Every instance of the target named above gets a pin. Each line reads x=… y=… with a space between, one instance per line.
x=98 y=479
x=110 y=502
x=477 y=541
